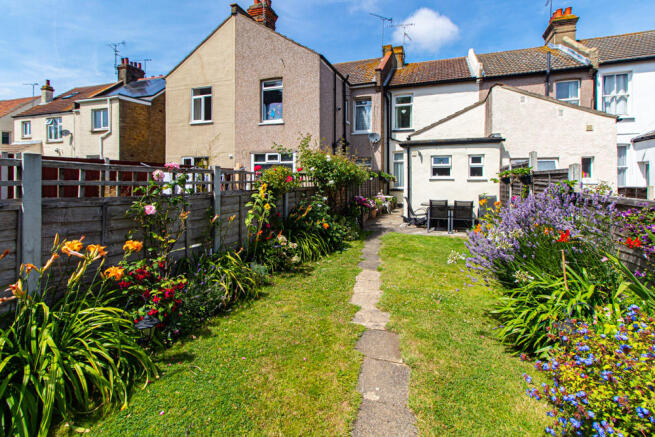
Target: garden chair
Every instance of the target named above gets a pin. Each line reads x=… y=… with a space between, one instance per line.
x=463 y=214
x=413 y=218
x=437 y=212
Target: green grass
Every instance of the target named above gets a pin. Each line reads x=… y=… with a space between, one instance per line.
x=282 y=365
x=463 y=382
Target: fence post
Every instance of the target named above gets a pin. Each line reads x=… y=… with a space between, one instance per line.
x=31 y=214
x=575 y=174
x=285 y=205
x=216 y=191
x=532 y=160
x=4 y=176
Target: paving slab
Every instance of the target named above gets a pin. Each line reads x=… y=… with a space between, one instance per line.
x=369 y=264
x=384 y=381
x=379 y=419
x=380 y=344
x=371 y=318
x=366 y=298
x=368 y=275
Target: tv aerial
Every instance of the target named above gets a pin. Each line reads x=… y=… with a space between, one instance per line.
x=145 y=63
x=404 y=26
x=114 y=46
x=384 y=21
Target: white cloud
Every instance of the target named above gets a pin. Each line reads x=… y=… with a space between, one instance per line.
x=430 y=31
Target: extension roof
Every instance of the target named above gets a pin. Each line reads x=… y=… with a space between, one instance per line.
x=66 y=102
x=9 y=106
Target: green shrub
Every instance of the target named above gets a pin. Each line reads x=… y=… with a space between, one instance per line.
x=603 y=378
x=279 y=180
x=75 y=354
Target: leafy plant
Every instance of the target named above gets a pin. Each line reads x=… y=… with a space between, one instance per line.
x=279 y=180
x=68 y=355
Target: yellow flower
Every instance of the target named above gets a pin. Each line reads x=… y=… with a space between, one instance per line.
x=73 y=247
x=497 y=204
x=52 y=259
x=97 y=248
x=17 y=289
x=267 y=206
x=184 y=215
x=234 y=216
x=114 y=272
x=132 y=246
x=483 y=202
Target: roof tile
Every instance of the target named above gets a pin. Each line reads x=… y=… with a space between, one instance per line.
x=521 y=61
x=360 y=72
x=9 y=106
x=626 y=47
x=432 y=71
x=61 y=104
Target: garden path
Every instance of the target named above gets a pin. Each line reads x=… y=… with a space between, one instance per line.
x=384 y=378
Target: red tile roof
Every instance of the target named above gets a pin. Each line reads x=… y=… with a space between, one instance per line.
x=630 y=46
x=441 y=70
x=61 y=104
x=360 y=72
x=9 y=106
x=522 y=61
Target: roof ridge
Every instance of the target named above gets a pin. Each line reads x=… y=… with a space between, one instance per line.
x=360 y=60
x=641 y=32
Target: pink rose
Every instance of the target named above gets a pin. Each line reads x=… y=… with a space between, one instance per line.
x=172 y=165
x=158 y=175
x=150 y=209
x=289 y=178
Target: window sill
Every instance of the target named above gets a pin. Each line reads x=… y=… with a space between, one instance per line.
x=625 y=118
x=202 y=122
x=409 y=129
x=477 y=180
x=361 y=132
x=271 y=122
x=97 y=131
x=442 y=179
x=54 y=141
x=397 y=189
x=25 y=138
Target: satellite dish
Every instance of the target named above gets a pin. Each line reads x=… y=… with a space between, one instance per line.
x=374 y=138
x=65 y=132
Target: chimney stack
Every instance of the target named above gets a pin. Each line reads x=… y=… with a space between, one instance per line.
x=562 y=24
x=47 y=92
x=399 y=53
x=129 y=71
x=262 y=12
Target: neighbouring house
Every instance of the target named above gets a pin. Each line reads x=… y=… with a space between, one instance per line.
x=643 y=154
x=456 y=157
x=124 y=120
x=245 y=89
x=9 y=108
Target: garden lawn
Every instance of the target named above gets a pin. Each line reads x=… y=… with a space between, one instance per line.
x=463 y=382
x=281 y=365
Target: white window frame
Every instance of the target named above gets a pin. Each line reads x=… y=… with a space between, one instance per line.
x=476 y=165
x=273 y=86
x=591 y=175
x=449 y=166
x=26 y=133
x=49 y=123
x=397 y=105
x=272 y=158
x=401 y=161
x=571 y=100
x=370 y=121
x=346 y=105
x=628 y=107
x=93 y=119
x=620 y=167
x=554 y=160
x=203 y=101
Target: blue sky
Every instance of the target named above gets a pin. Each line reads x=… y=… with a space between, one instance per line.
x=66 y=40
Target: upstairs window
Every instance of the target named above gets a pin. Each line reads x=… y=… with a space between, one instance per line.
x=568 y=91
x=53 y=128
x=615 y=94
x=403 y=111
x=441 y=166
x=272 y=101
x=363 y=115
x=476 y=166
x=201 y=105
x=100 y=118
x=26 y=129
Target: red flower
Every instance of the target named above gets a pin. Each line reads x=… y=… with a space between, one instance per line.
x=633 y=243
x=257 y=167
x=268 y=226
x=123 y=284
x=169 y=294
x=156 y=299
x=289 y=178
x=564 y=237
x=299 y=169
x=153 y=312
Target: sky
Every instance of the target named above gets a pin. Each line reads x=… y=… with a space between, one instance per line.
x=66 y=41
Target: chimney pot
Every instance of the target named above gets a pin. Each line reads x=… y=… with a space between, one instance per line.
x=558 y=13
x=562 y=24
x=129 y=71
x=568 y=11
x=262 y=12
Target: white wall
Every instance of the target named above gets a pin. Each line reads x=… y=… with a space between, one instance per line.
x=459 y=186
x=87 y=141
x=63 y=147
x=643 y=151
x=641 y=106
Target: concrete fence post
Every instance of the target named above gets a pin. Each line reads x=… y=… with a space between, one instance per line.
x=216 y=191
x=575 y=174
x=532 y=160
x=285 y=204
x=31 y=214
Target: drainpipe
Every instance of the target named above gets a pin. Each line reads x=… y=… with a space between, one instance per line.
x=594 y=103
x=409 y=178
x=548 y=74
x=344 y=108
x=108 y=133
x=387 y=100
x=334 y=108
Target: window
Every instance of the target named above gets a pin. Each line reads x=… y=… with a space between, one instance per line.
x=403 y=111
x=587 y=167
x=268 y=160
x=362 y=115
x=622 y=160
x=441 y=166
x=53 y=127
x=476 y=163
x=568 y=91
x=196 y=161
x=399 y=169
x=644 y=167
x=272 y=101
x=546 y=164
x=100 y=118
x=5 y=138
x=615 y=94
x=26 y=129
x=201 y=105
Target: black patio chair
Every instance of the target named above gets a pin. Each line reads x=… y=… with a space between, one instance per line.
x=463 y=214
x=437 y=213
x=413 y=218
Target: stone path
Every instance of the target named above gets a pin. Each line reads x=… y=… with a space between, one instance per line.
x=384 y=379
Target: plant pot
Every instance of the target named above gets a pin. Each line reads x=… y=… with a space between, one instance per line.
x=374 y=212
x=526 y=179
x=506 y=180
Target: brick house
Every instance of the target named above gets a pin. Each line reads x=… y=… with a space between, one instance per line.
x=124 y=120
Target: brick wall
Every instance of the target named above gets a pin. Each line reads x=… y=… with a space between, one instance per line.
x=143 y=131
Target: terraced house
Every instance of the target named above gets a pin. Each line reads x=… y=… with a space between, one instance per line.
x=122 y=120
